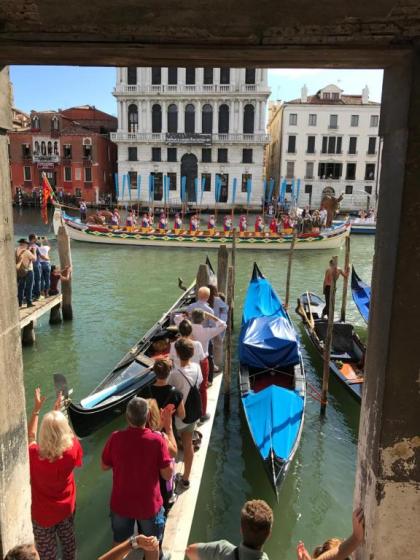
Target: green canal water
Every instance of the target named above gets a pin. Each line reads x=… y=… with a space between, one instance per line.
x=118 y=294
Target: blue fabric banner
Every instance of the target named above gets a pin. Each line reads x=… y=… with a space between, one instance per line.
x=117 y=190
x=196 y=188
x=248 y=190
x=151 y=187
x=183 y=188
x=203 y=186
x=265 y=190
x=138 y=187
x=234 y=190
x=217 y=188
x=129 y=186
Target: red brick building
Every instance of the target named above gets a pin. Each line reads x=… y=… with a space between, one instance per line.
x=72 y=146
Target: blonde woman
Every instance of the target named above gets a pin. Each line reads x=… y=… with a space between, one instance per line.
x=52 y=458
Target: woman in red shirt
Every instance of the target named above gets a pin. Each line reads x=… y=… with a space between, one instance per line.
x=52 y=461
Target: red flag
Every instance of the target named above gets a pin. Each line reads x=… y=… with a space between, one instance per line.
x=47 y=193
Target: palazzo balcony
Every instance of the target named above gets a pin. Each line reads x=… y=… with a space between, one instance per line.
x=185 y=138
x=189 y=89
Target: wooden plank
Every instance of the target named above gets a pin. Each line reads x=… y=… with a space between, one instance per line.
x=181 y=516
x=40 y=307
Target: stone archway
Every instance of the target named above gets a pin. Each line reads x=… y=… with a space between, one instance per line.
x=328 y=191
x=189 y=169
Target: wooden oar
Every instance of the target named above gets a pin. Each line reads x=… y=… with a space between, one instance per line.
x=306 y=318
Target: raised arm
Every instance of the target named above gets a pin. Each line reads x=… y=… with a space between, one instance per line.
x=347 y=547
x=150 y=545
x=33 y=421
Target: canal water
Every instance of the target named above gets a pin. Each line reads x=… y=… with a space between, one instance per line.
x=118 y=294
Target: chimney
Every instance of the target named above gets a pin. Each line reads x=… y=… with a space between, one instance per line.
x=304 y=94
x=365 y=95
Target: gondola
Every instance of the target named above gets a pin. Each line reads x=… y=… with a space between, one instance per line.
x=130 y=377
x=361 y=295
x=271 y=378
x=347 y=350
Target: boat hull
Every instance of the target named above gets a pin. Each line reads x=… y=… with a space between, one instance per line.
x=334 y=239
x=355 y=389
x=363 y=229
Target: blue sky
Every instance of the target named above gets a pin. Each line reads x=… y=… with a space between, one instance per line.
x=59 y=87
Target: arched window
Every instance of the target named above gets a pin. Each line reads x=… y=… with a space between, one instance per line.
x=156 y=118
x=54 y=123
x=250 y=75
x=248 y=119
x=190 y=76
x=49 y=148
x=132 y=75
x=133 y=117
x=207 y=119
x=223 y=119
x=43 y=148
x=56 y=148
x=208 y=76
x=35 y=122
x=189 y=118
x=156 y=75
x=225 y=75
x=172 y=75
x=172 y=118
x=36 y=148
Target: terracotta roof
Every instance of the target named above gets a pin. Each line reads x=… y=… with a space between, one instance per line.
x=345 y=100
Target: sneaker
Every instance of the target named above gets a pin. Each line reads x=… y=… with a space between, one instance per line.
x=181 y=484
x=30 y=305
x=216 y=369
x=204 y=418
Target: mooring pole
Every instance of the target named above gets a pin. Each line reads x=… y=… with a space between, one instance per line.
x=64 y=253
x=327 y=343
x=222 y=268
x=233 y=262
x=227 y=370
x=289 y=269
x=346 y=279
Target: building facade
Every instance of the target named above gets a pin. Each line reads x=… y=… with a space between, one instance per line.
x=198 y=128
x=330 y=142
x=72 y=147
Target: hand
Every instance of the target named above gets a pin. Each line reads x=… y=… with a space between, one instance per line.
x=58 y=401
x=302 y=553
x=359 y=524
x=38 y=400
x=149 y=544
x=166 y=416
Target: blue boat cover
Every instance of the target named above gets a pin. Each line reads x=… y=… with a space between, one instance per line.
x=361 y=295
x=267 y=337
x=274 y=416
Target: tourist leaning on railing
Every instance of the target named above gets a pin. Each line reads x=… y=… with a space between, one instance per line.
x=52 y=461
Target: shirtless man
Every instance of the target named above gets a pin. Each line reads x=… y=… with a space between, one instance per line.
x=332 y=270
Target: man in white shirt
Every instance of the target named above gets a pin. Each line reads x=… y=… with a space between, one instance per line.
x=205 y=334
x=203 y=295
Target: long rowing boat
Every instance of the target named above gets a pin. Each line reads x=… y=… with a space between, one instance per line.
x=363 y=226
x=361 y=294
x=347 y=350
x=209 y=239
x=271 y=378
x=130 y=377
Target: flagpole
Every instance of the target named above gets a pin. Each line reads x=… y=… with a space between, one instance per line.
x=234 y=185
x=264 y=198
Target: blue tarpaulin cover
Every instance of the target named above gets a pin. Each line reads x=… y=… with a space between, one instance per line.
x=274 y=416
x=361 y=295
x=267 y=337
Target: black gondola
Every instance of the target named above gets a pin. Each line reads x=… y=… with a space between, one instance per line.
x=131 y=376
x=347 y=350
x=271 y=378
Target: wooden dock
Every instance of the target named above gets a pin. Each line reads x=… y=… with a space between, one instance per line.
x=180 y=518
x=30 y=314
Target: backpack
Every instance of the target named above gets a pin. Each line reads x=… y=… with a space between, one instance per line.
x=193 y=408
x=21 y=269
